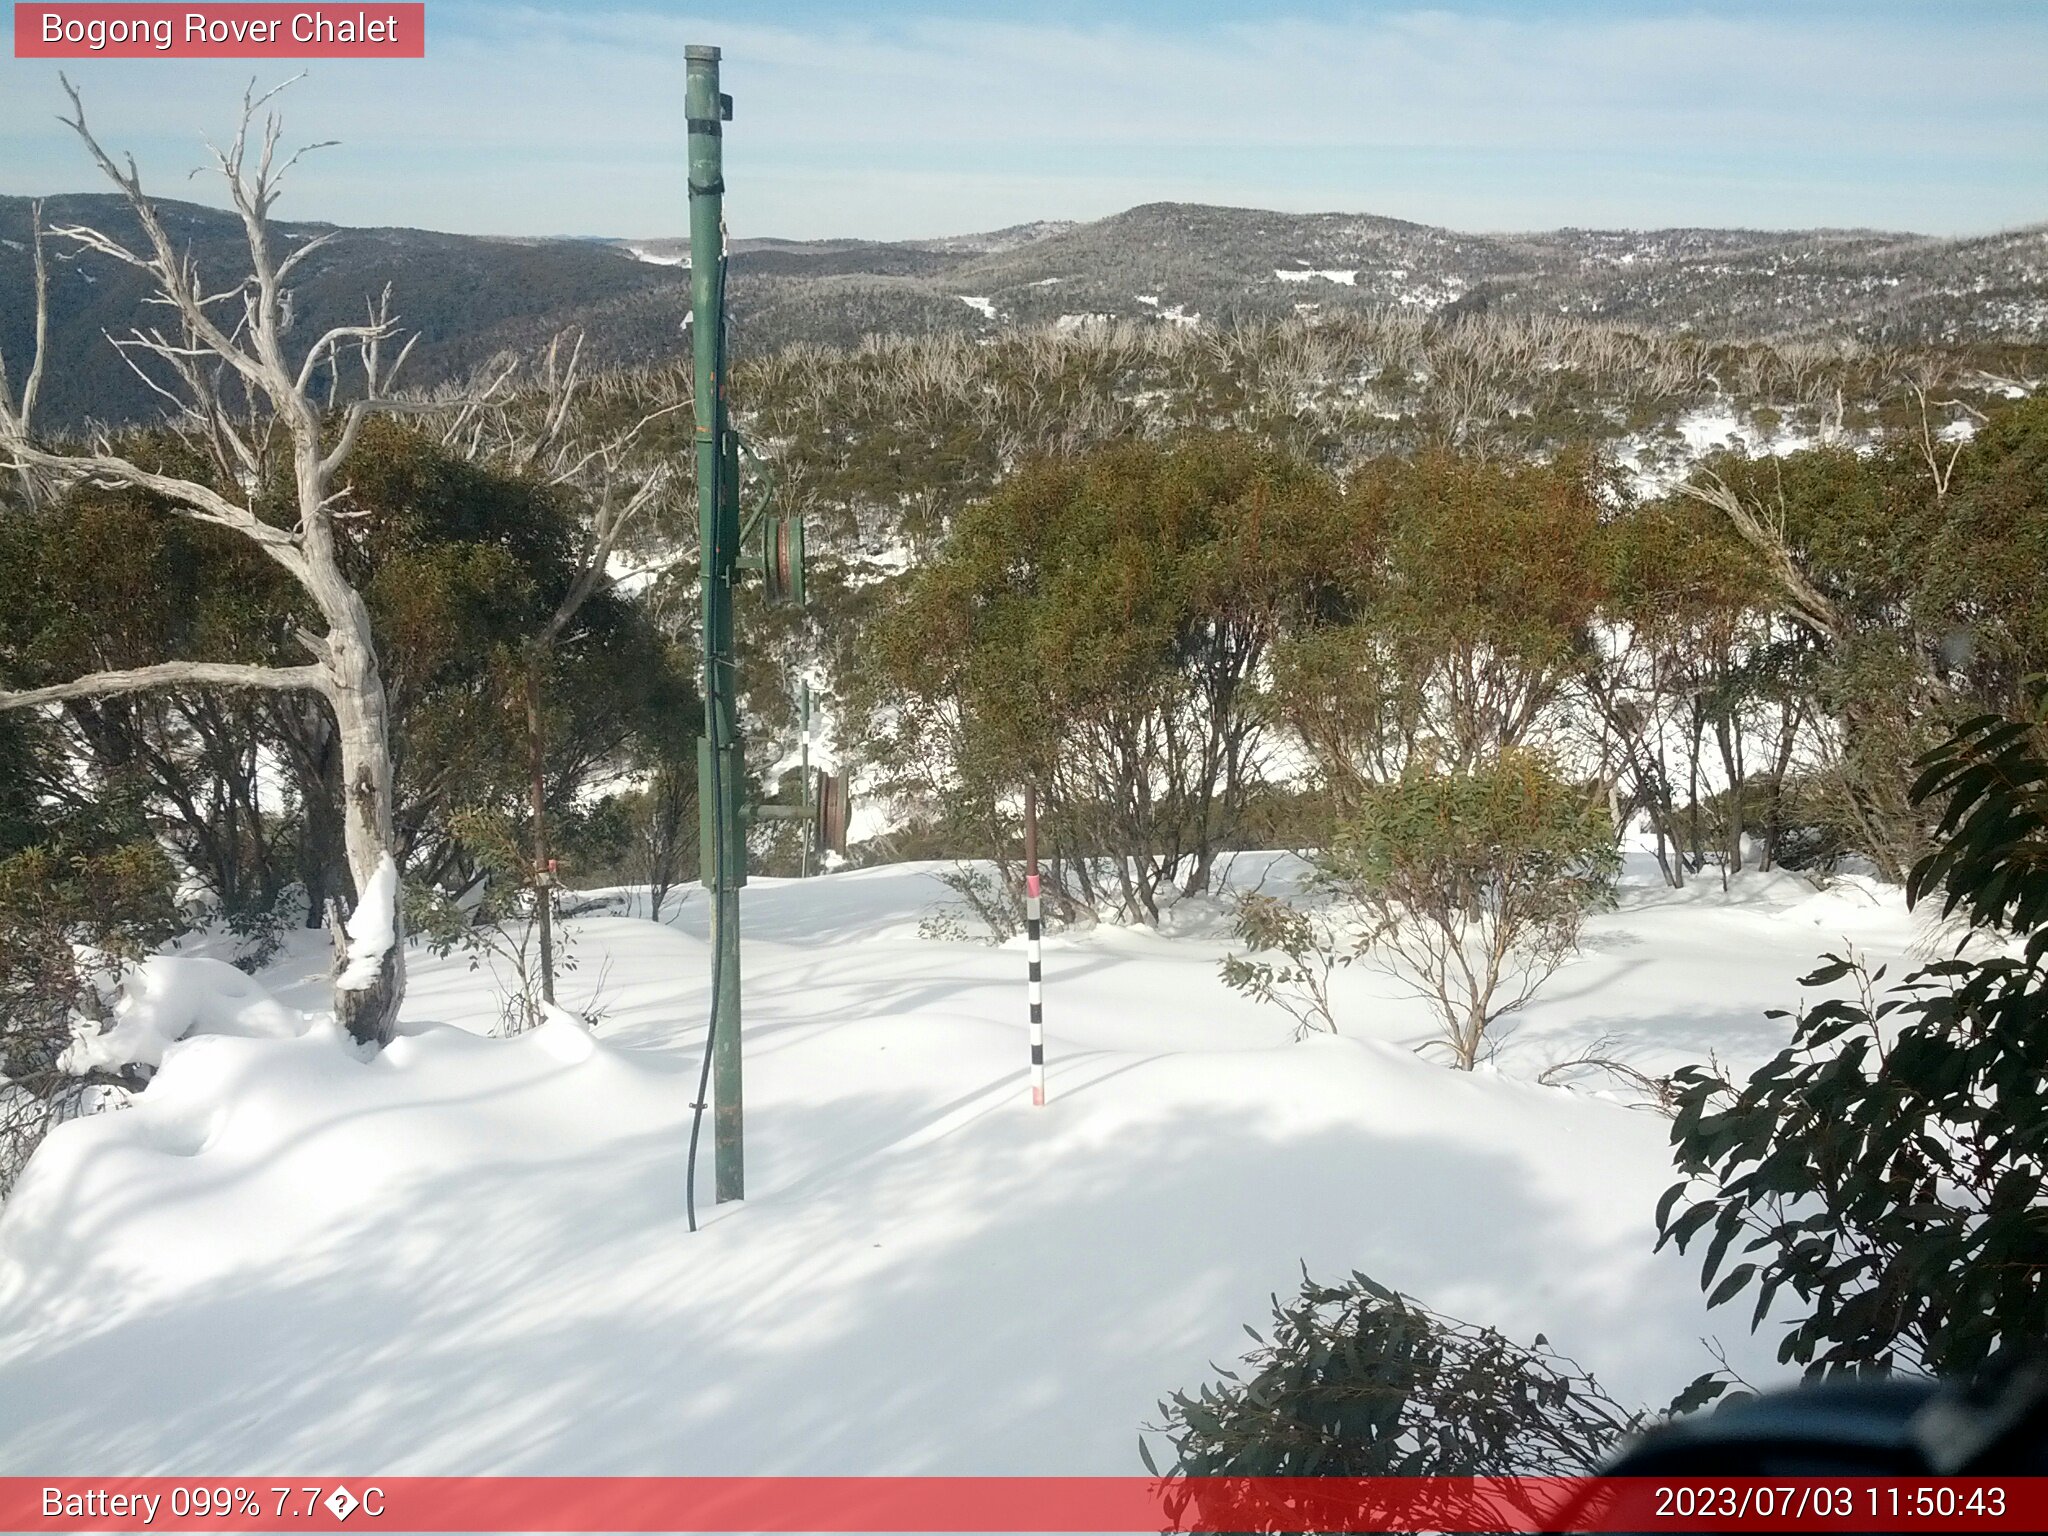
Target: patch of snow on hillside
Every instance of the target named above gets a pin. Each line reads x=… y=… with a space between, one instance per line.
x=981 y=302
x=1348 y=276
x=877 y=562
x=1432 y=296
x=1653 y=464
x=1708 y=428
x=657 y=258
x=632 y=574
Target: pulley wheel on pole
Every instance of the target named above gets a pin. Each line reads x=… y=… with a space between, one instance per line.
x=832 y=802
x=782 y=559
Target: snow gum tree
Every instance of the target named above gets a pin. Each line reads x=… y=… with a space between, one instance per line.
x=1463 y=591
x=1914 y=575
x=1102 y=624
x=1466 y=885
x=1880 y=1179
x=258 y=407
x=1691 y=648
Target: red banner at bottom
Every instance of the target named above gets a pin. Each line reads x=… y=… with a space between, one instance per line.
x=1018 y=1504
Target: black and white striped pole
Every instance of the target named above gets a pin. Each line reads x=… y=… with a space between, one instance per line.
x=1034 y=932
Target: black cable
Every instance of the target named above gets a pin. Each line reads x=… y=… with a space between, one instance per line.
x=716 y=787
x=710 y=1033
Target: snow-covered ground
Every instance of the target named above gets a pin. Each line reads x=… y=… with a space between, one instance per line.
x=1652 y=466
x=468 y=1255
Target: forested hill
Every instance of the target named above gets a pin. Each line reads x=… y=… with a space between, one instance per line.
x=466 y=297
x=1169 y=263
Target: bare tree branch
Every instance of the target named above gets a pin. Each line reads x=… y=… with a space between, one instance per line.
x=167 y=674
x=23 y=411
x=1765 y=534
x=17 y=417
x=194 y=500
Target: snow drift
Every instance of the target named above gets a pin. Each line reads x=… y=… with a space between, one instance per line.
x=468 y=1255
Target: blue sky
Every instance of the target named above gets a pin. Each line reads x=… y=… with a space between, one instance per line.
x=897 y=118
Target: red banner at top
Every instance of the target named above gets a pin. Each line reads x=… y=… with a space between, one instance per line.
x=264 y=31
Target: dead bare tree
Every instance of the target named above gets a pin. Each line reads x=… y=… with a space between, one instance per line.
x=538 y=428
x=1762 y=528
x=221 y=360
x=22 y=411
x=1930 y=441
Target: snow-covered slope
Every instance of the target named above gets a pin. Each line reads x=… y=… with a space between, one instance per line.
x=468 y=1255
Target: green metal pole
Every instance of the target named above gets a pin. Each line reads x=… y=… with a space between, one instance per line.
x=720 y=772
x=804 y=777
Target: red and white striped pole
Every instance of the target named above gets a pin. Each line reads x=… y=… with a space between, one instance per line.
x=1034 y=930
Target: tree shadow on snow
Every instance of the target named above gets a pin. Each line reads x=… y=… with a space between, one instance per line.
x=1012 y=1296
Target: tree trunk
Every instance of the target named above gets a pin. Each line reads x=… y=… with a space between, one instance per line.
x=543 y=876
x=322 y=863
x=1779 y=768
x=1727 y=736
x=356 y=692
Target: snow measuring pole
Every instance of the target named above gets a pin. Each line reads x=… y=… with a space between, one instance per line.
x=1034 y=933
x=721 y=773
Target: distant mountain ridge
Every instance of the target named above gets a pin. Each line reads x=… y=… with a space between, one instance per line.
x=1168 y=263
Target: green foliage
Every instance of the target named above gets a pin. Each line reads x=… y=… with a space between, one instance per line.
x=645 y=836
x=1885 y=1169
x=1471 y=886
x=1930 y=558
x=1479 y=553
x=1470 y=840
x=91 y=891
x=261 y=928
x=497 y=922
x=77 y=874
x=1467 y=886
x=1100 y=624
x=1311 y=946
x=1992 y=859
x=987 y=909
x=460 y=567
x=1981 y=577
x=1359 y=1381
x=25 y=758
x=108 y=579
x=1670 y=564
x=1458 y=594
